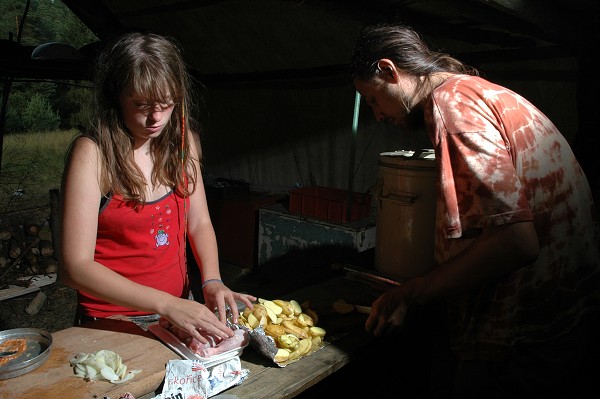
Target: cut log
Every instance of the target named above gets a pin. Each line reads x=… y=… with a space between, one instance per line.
x=31 y=258
x=45 y=234
x=18 y=258
x=32 y=229
x=46 y=248
x=36 y=303
x=14 y=249
x=51 y=265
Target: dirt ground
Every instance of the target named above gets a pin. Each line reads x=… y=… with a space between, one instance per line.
x=57 y=312
x=58 y=309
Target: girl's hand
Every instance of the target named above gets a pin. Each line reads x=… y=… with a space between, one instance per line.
x=219 y=297
x=191 y=317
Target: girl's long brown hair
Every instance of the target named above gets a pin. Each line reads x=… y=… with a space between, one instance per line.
x=151 y=66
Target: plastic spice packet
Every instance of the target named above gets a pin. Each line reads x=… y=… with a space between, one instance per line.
x=190 y=379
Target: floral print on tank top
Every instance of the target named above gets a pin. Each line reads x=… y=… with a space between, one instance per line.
x=161 y=224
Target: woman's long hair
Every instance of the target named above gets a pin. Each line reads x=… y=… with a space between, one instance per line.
x=151 y=66
x=405 y=48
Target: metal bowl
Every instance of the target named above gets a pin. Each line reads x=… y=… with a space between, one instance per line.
x=37 y=351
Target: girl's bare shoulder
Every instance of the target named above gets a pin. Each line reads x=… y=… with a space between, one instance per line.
x=85 y=147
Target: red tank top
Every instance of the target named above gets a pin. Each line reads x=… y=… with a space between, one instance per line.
x=146 y=245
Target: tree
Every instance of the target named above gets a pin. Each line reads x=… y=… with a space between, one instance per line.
x=39 y=115
x=46 y=21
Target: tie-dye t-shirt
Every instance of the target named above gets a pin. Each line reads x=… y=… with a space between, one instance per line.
x=501 y=161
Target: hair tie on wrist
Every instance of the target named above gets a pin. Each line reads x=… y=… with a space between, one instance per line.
x=212 y=280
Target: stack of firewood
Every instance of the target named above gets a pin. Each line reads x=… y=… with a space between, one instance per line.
x=27 y=249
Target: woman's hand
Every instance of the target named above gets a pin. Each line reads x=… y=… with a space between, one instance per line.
x=388 y=312
x=218 y=296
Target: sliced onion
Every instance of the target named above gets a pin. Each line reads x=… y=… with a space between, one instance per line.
x=121 y=370
x=101 y=365
x=109 y=374
x=91 y=372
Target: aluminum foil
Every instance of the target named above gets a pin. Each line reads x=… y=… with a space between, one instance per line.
x=263 y=343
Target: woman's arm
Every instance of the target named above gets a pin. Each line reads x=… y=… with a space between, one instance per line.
x=498 y=250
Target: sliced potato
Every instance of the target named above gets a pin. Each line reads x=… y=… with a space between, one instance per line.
x=304 y=346
x=274 y=330
x=316 y=341
x=273 y=306
x=343 y=307
x=291 y=325
x=253 y=322
x=271 y=315
x=263 y=320
x=296 y=306
x=288 y=341
x=282 y=355
x=242 y=321
x=286 y=306
x=312 y=314
x=305 y=320
x=259 y=311
x=363 y=309
x=292 y=328
x=317 y=331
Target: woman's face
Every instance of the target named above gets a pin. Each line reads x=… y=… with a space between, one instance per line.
x=390 y=94
x=385 y=99
x=143 y=118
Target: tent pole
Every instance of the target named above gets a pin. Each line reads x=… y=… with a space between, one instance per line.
x=352 y=155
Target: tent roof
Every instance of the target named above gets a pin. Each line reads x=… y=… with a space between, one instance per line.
x=232 y=42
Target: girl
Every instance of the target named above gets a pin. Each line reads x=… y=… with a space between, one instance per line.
x=133 y=195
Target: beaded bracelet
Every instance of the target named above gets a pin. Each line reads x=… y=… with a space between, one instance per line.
x=212 y=280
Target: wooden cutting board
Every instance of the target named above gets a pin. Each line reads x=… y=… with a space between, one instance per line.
x=139 y=349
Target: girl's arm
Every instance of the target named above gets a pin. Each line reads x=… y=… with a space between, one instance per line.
x=203 y=243
x=80 y=197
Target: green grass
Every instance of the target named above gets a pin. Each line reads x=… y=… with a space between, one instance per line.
x=32 y=165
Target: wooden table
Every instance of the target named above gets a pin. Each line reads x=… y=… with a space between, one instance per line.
x=141 y=350
x=54 y=379
x=345 y=335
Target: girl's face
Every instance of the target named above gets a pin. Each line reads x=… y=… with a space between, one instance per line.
x=144 y=119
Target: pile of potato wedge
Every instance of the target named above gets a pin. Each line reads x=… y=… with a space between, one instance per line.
x=292 y=326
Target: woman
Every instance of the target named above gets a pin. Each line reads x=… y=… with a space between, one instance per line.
x=515 y=247
x=133 y=195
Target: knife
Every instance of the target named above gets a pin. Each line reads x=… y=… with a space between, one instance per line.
x=355 y=271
